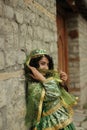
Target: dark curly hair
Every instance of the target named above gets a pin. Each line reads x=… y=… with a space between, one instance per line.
x=35 y=62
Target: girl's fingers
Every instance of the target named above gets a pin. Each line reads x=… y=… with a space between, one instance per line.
x=34 y=70
x=63 y=76
x=36 y=74
x=32 y=76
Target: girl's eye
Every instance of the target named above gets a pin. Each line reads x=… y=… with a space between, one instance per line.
x=43 y=63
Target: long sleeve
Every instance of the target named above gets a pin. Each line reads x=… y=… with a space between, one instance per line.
x=52 y=90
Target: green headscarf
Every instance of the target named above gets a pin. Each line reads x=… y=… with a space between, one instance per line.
x=35 y=53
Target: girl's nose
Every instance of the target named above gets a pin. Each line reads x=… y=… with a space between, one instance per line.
x=46 y=67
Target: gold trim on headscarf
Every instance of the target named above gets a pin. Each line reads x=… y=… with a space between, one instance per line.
x=35 y=53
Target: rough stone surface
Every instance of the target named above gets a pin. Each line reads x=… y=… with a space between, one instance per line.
x=27 y=28
x=80 y=119
x=2 y=60
x=19 y=17
x=1 y=122
x=1 y=7
x=21 y=28
x=77 y=55
x=8 y=12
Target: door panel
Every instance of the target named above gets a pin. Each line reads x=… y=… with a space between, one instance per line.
x=62 y=44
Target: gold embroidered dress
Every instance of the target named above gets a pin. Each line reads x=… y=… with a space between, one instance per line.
x=49 y=106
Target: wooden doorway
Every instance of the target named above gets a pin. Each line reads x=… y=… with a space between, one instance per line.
x=62 y=44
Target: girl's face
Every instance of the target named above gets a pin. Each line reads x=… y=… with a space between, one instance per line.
x=44 y=63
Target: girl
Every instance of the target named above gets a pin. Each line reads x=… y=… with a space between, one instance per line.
x=48 y=103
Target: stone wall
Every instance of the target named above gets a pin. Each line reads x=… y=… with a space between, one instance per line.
x=73 y=51
x=21 y=27
x=82 y=26
x=77 y=36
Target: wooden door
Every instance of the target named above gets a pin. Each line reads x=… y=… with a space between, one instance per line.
x=62 y=44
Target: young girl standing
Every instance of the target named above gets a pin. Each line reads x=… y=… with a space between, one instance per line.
x=48 y=103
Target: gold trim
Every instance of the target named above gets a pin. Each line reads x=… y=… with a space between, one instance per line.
x=68 y=107
x=35 y=129
x=57 y=107
x=37 y=55
x=50 y=79
x=52 y=110
x=40 y=105
x=59 y=126
x=65 y=123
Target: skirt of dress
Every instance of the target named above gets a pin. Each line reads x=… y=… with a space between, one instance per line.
x=68 y=127
x=59 y=120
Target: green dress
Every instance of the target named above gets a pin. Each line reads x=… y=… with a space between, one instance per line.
x=49 y=106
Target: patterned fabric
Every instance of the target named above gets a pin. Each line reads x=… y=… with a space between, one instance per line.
x=48 y=106
x=35 y=53
x=69 y=127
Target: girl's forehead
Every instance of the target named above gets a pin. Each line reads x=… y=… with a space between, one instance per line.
x=44 y=58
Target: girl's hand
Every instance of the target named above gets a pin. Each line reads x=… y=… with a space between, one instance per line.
x=63 y=76
x=36 y=74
